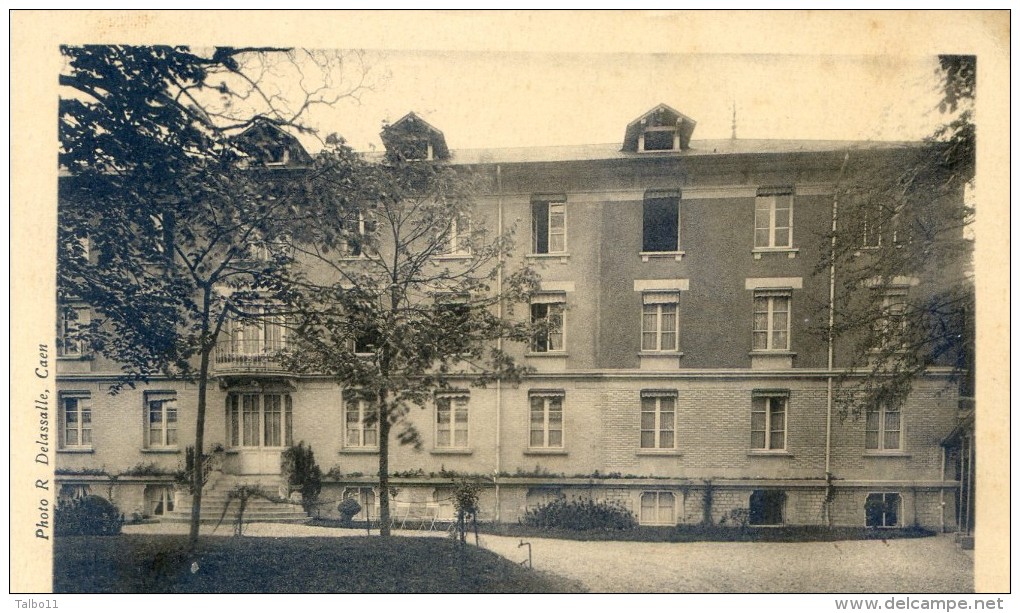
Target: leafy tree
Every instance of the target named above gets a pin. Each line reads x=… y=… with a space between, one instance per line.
x=399 y=290
x=902 y=254
x=161 y=232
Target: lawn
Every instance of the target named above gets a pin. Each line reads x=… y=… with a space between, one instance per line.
x=159 y=564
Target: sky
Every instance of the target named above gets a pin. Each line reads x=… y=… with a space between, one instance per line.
x=513 y=99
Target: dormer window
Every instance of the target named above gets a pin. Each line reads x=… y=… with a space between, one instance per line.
x=418 y=150
x=277 y=156
x=412 y=139
x=660 y=129
x=659 y=138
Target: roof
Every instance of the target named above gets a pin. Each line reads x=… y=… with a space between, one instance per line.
x=702 y=148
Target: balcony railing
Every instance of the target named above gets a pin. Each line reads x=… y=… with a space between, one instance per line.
x=249 y=356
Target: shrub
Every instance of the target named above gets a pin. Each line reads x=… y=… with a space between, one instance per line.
x=581 y=514
x=87 y=516
x=301 y=473
x=348 y=508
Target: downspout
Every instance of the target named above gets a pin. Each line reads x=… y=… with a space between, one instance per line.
x=831 y=359
x=499 y=342
x=942 y=491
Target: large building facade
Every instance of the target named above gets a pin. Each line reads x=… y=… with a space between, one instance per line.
x=682 y=374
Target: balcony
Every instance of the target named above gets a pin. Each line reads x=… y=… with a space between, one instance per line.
x=254 y=356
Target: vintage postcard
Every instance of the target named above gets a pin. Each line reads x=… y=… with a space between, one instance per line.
x=642 y=302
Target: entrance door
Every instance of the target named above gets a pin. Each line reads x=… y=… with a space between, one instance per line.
x=259 y=428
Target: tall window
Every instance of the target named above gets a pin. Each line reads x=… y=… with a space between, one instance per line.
x=546 y=420
x=76 y=420
x=459 y=236
x=883 y=430
x=361 y=423
x=658 y=508
x=871 y=227
x=773 y=218
x=549 y=224
x=161 y=419
x=159 y=499
x=659 y=321
x=262 y=333
x=452 y=421
x=768 y=421
x=891 y=326
x=658 y=420
x=771 y=320
x=882 y=510
x=358 y=227
x=661 y=221
x=260 y=420
x=70 y=337
x=547 y=313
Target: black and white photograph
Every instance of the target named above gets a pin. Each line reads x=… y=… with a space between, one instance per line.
x=636 y=313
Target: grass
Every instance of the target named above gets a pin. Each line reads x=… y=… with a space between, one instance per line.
x=697 y=533
x=160 y=564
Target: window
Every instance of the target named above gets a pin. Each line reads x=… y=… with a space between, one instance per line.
x=661 y=222
x=660 y=138
x=260 y=420
x=365 y=497
x=160 y=419
x=773 y=218
x=459 y=236
x=658 y=419
x=546 y=420
x=548 y=224
x=452 y=421
x=76 y=420
x=771 y=320
x=70 y=336
x=658 y=508
x=547 y=314
x=358 y=228
x=768 y=421
x=261 y=333
x=659 y=321
x=766 y=507
x=159 y=499
x=871 y=227
x=883 y=430
x=361 y=423
x=70 y=492
x=882 y=510
x=891 y=326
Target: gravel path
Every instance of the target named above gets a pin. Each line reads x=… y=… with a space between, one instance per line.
x=903 y=565
x=925 y=565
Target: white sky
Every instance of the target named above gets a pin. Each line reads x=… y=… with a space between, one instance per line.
x=508 y=99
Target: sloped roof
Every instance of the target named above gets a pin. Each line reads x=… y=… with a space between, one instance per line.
x=257 y=139
x=414 y=124
x=703 y=148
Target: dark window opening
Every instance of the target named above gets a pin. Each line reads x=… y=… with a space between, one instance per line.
x=416 y=149
x=548 y=226
x=659 y=140
x=767 y=507
x=882 y=510
x=661 y=223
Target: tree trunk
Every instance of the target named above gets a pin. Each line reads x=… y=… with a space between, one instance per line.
x=198 y=481
x=384 y=465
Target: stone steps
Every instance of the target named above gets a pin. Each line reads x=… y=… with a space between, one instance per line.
x=217 y=494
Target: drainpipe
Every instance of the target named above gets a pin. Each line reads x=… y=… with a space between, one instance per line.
x=832 y=323
x=942 y=491
x=499 y=342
